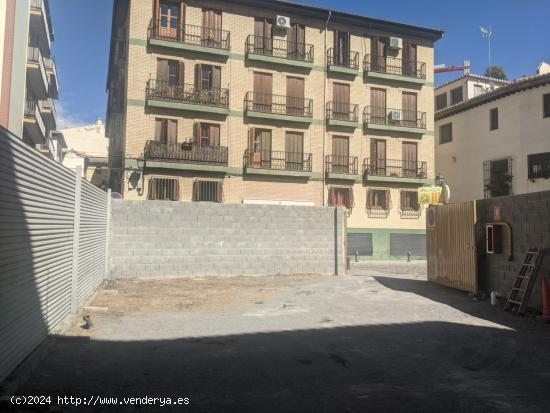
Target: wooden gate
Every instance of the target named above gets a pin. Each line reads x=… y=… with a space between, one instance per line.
x=452 y=257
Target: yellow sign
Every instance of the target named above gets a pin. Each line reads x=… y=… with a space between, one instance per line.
x=429 y=195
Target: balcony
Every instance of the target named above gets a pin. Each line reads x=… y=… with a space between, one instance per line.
x=342 y=114
x=395 y=170
x=33 y=123
x=162 y=94
x=196 y=39
x=296 y=164
x=346 y=63
x=341 y=167
x=278 y=107
x=185 y=156
x=47 y=109
x=51 y=71
x=278 y=51
x=37 y=76
x=398 y=120
x=40 y=25
x=394 y=69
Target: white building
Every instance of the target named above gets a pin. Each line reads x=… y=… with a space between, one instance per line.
x=497 y=143
x=87 y=147
x=463 y=88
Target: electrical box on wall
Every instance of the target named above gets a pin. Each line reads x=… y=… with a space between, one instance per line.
x=396 y=43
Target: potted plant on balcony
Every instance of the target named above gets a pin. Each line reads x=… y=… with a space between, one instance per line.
x=187 y=145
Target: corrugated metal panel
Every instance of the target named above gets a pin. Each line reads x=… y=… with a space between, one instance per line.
x=452 y=257
x=401 y=244
x=37 y=213
x=360 y=243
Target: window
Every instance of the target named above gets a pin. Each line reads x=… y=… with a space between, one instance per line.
x=441 y=101
x=539 y=165
x=446 y=133
x=408 y=204
x=478 y=90
x=493 y=119
x=456 y=95
x=378 y=202
x=546 y=105
x=207 y=77
x=206 y=134
x=163 y=189
x=497 y=177
x=207 y=191
x=340 y=197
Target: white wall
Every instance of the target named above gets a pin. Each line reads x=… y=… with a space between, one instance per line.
x=71 y=161
x=522 y=131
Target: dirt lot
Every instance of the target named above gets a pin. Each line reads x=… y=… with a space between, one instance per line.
x=380 y=339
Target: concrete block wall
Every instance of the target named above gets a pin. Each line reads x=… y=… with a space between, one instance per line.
x=529 y=217
x=162 y=238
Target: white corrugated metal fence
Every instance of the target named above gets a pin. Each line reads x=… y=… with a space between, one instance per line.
x=53 y=239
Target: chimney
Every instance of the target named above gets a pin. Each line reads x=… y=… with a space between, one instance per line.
x=466 y=67
x=99 y=124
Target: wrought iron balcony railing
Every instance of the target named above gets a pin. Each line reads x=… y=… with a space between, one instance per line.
x=186 y=93
x=343 y=58
x=341 y=164
x=283 y=49
x=342 y=111
x=162 y=29
x=394 y=66
x=278 y=104
x=394 y=117
x=278 y=160
x=186 y=152
x=395 y=167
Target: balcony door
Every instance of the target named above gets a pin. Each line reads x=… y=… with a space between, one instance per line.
x=211 y=35
x=263 y=90
x=410 y=114
x=208 y=80
x=410 y=159
x=341 y=48
x=340 y=154
x=169 y=19
x=166 y=131
x=206 y=134
x=377 y=106
x=378 y=161
x=170 y=78
x=259 y=147
x=379 y=51
x=295 y=89
x=294 y=151
x=409 y=59
x=296 y=39
x=341 y=98
x=263 y=36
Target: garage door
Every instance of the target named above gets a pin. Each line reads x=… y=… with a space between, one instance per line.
x=401 y=244
x=360 y=243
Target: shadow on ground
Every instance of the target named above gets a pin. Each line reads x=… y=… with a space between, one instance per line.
x=415 y=367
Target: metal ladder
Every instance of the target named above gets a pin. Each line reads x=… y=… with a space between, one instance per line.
x=525 y=281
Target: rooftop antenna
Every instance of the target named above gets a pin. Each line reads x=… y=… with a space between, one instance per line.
x=486 y=33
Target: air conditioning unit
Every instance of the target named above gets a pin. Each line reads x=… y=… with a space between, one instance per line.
x=396 y=43
x=282 y=22
x=396 y=116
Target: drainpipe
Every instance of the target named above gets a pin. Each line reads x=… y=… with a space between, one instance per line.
x=324 y=108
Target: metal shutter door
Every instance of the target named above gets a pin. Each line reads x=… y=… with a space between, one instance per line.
x=401 y=244
x=360 y=243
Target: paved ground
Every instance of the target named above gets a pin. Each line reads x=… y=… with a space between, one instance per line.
x=381 y=339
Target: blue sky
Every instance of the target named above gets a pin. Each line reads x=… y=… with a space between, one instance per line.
x=521 y=35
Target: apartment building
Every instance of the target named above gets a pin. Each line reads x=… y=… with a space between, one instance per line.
x=498 y=143
x=244 y=101
x=29 y=81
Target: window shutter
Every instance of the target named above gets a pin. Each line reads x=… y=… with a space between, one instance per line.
x=181 y=73
x=162 y=70
x=196 y=133
x=216 y=77
x=172 y=131
x=251 y=135
x=198 y=70
x=414 y=201
x=388 y=199
x=195 y=191
x=369 y=199
x=158 y=130
x=214 y=135
x=351 y=201
x=331 y=198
